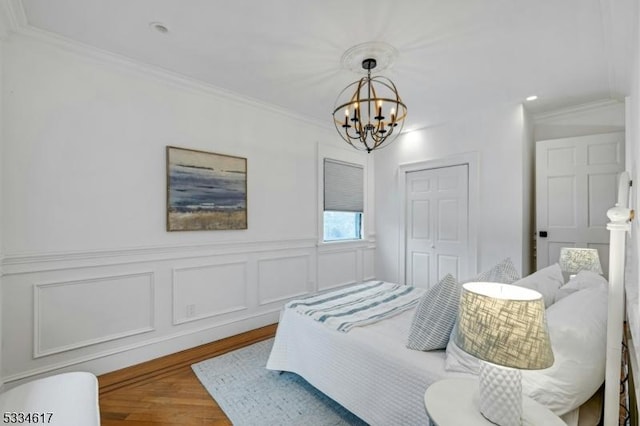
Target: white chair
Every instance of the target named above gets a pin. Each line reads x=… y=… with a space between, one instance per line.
x=68 y=399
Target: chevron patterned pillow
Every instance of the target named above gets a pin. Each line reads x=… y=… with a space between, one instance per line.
x=435 y=315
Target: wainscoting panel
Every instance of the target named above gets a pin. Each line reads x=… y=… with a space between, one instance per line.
x=103 y=311
x=206 y=291
x=282 y=278
x=337 y=268
x=73 y=314
x=368 y=264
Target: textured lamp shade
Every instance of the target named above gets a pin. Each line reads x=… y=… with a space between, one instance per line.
x=505 y=325
x=574 y=260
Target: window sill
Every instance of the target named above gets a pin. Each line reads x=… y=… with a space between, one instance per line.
x=345 y=244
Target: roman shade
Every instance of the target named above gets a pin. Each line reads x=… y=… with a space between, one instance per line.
x=343 y=186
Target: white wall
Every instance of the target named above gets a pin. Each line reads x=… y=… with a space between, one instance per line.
x=632 y=283
x=91 y=278
x=498 y=135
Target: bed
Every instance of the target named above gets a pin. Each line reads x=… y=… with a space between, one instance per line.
x=370 y=371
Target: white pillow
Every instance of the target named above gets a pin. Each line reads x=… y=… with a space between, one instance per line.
x=546 y=281
x=458 y=360
x=583 y=280
x=578 y=332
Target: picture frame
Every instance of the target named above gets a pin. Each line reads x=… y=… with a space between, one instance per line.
x=205 y=191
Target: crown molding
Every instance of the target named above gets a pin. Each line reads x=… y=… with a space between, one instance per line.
x=575 y=109
x=18 y=24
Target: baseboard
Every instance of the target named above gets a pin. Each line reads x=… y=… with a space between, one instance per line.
x=141 y=373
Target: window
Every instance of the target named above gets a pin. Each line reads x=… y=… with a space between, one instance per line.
x=343 y=201
x=342 y=226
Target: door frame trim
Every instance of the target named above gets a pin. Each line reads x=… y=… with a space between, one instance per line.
x=471 y=160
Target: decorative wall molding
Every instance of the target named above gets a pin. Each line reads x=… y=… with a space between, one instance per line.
x=368 y=264
x=333 y=276
x=210 y=292
x=59 y=312
x=285 y=272
x=47 y=262
x=266 y=316
x=50 y=277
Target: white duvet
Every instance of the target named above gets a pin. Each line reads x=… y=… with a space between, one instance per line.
x=368 y=370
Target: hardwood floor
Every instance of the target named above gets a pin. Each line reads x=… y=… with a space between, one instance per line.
x=175 y=399
x=166 y=391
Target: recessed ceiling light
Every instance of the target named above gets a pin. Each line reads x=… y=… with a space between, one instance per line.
x=532 y=98
x=159 y=27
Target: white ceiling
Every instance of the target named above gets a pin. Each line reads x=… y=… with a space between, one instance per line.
x=454 y=55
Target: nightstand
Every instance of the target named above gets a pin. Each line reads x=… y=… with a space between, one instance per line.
x=454 y=402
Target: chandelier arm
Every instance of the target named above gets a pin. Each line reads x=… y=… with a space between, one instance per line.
x=354 y=137
x=349 y=138
x=359 y=132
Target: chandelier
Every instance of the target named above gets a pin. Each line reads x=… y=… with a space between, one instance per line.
x=369 y=113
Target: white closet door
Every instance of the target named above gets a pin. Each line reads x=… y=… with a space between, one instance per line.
x=576 y=182
x=436 y=224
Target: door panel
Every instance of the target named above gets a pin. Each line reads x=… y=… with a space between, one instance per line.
x=448 y=226
x=449 y=265
x=561 y=201
x=420 y=271
x=601 y=197
x=437 y=224
x=420 y=218
x=576 y=183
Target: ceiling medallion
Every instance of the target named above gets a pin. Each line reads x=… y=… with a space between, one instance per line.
x=369 y=113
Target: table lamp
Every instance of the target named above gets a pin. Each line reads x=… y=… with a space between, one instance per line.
x=573 y=260
x=505 y=327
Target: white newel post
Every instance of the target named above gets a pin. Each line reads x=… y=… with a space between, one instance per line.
x=618 y=226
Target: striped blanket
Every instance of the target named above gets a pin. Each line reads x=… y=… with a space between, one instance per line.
x=357 y=305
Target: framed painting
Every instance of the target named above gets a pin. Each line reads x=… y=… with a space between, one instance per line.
x=205 y=191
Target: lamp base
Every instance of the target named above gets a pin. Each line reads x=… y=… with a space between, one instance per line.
x=501 y=394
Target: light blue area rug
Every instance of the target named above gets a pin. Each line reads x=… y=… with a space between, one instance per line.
x=251 y=395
